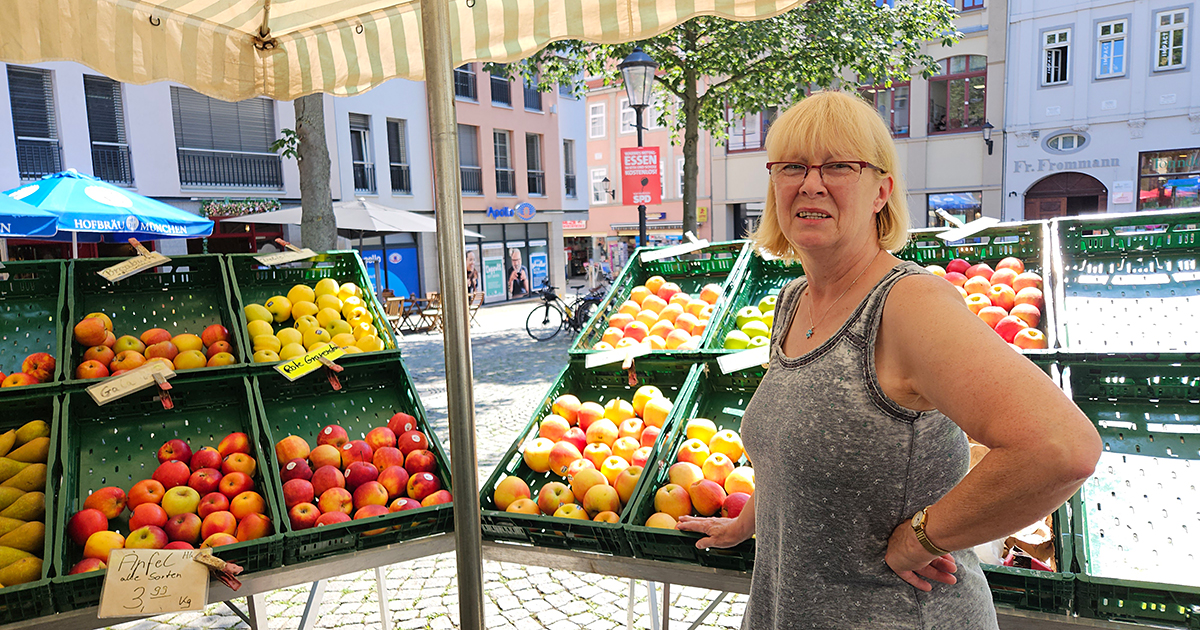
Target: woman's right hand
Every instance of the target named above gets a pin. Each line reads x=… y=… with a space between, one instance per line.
x=719 y=532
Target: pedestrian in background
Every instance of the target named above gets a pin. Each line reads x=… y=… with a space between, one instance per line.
x=864 y=515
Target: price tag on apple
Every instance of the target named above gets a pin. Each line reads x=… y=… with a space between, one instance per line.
x=147 y=582
x=308 y=363
x=115 y=387
x=738 y=361
x=127 y=268
x=618 y=355
x=280 y=258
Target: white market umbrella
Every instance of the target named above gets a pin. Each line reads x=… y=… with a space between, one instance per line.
x=359 y=215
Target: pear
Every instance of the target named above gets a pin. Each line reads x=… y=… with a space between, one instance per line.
x=29 y=479
x=22 y=571
x=8 y=496
x=32 y=431
x=9 y=524
x=8 y=555
x=30 y=507
x=10 y=467
x=32 y=452
x=7 y=440
x=29 y=537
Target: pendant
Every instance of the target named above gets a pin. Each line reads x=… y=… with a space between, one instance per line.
x=808 y=334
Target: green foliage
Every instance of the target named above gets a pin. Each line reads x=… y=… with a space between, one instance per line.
x=288 y=143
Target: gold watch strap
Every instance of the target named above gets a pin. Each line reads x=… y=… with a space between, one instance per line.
x=927 y=544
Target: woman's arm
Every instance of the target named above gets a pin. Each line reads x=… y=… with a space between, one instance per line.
x=721 y=532
x=1042 y=446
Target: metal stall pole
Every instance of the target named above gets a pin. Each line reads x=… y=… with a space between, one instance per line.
x=460 y=401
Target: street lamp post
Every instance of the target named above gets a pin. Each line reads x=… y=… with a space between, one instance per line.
x=638 y=70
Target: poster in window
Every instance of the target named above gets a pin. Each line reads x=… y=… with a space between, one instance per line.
x=539 y=263
x=493 y=272
x=474 y=270
x=518 y=275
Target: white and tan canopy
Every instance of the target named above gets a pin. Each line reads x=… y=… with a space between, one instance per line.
x=236 y=49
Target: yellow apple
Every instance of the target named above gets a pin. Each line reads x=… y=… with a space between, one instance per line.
x=287 y=336
x=327 y=286
x=259 y=327
x=300 y=309
x=280 y=307
x=301 y=293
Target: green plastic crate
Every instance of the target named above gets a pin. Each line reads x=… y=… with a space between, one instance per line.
x=1135 y=517
x=759 y=277
x=116 y=445
x=716 y=264
x=1130 y=283
x=1031 y=589
x=254 y=283
x=374 y=388
x=1030 y=241
x=598 y=385
x=34 y=599
x=721 y=398
x=186 y=295
x=32 y=318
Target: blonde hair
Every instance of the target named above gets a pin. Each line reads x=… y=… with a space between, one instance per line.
x=834 y=123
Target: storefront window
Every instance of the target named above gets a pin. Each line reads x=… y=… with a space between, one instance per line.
x=1169 y=179
x=964 y=206
x=510 y=262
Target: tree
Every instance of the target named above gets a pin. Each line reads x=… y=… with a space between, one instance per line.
x=713 y=70
x=318 y=230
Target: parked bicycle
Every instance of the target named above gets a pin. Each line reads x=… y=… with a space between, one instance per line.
x=553 y=314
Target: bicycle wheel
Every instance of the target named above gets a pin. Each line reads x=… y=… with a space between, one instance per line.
x=583 y=313
x=544 y=322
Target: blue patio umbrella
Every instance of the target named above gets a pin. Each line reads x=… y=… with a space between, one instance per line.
x=19 y=219
x=92 y=210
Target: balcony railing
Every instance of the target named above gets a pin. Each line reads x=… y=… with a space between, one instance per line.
x=533 y=98
x=401 y=181
x=464 y=84
x=569 y=180
x=501 y=91
x=472 y=179
x=506 y=181
x=110 y=162
x=364 y=177
x=233 y=169
x=37 y=157
x=537 y=183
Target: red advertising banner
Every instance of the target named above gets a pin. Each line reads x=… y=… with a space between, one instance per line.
x=640 y=177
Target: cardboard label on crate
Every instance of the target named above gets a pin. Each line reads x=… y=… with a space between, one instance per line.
x=677 y=250
x=970 y=229
x=115 y=387
x=127 y=268
x=616 y=355
x=146 y=582
x=308 y=363
x=738 y=361
x=285 y=257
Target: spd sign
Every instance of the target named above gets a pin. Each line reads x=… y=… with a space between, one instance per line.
x=640 y=177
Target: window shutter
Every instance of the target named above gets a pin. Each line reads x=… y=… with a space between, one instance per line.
x=206 y=123
x=31 y=93
x=106 y=117
x=468 y=145
x=361 y=122
x=533 y=151
x=398 y=141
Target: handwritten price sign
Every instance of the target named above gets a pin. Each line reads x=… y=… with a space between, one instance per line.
x=146 y=582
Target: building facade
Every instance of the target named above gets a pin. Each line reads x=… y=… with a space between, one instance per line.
x=1104 y=108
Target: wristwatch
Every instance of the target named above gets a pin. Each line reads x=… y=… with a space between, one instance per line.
x=918 y=525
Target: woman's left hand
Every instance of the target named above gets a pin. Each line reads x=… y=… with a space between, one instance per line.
x=912 y=562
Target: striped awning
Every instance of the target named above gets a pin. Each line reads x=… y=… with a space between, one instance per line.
x=282 y=49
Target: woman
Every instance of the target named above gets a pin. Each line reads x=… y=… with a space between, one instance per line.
x=878 y=374
x=472 y=273
x=518 y=278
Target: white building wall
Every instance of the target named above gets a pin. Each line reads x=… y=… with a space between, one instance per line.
x=572 y=125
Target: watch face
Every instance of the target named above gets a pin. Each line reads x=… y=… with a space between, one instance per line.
x=918 y=519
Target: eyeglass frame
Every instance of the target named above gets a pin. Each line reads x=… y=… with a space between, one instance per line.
x=820 y=174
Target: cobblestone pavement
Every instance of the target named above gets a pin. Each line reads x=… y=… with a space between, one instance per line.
x=512 y=373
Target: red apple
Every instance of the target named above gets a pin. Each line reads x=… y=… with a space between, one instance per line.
x=1002 y=295
x=1004 y=276
x=437 y=498
x=412 y=441
x=332 y=518
x=85 y=523
x=90 y=331
x=1028 y=312
x=733 y=504
x=649 y=435
x=326 y=455
x=101 y=354
x=297 y=491
x=551 y=496
x=295 y=469
x=336 y=500
x=394 y=480
x=387 y=456
x=291 y=447
x=370 y=493
x=92 y=369
x=234 y=484
x=148 y=514
x=146 y=491
x=110 y=501
x=333 y=435
x=172 y=473
x=218 y=523
x=253 y=527
x=218 y=539
x=205 y=480
x=218 y=348
x=566 y=407
x=1009 y=327
x=982 y=270
x=425 y=461
x=356 y=451
x=553 y=427
x=576 y=436
x=327 y=477
x=422 y=485
x=380 y=437
x=88 y=564
x=212 y=502
x=401 y=423
x=1027 y=279
x=958 y=265
x=163 y=349
x=148 y=537
x=153 y=336
x=1032 y=296
x=239 y=462
x=39 y=365
x=175 y=450
x=404 y=503
x=213 y=334
x=18 y=379
x=955 y=278
x=206 y=457
x=359 y=473
x=991 y=315
x=184 y=528
x=234 y=443
x=1030 y=339
x=304 y=515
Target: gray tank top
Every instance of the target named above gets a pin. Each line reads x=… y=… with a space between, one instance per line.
x=838 y=466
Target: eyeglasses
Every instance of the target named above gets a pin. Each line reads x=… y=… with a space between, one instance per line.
x=832 y=173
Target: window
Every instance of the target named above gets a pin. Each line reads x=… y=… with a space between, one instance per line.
x=569 y=169
x=106 y=128
x=972 y=4
x=1056 y=46
x=628 y=117
x=468 y=160
x=679 y=175
x=1110 y=49
x=31 y=94
x=506 y=177
x=533 y=98
x=1066 y=143
x=501 y=89
x=596 y=120
x=749 y=132
x=398 y=156
x=360 y=153
x=533 y=164
x=1171 y=39
x=892 y=105
x=464 y=82
x=598 y=194
x=957 y=94
x=1169 y=179
x=220 y=144
x=964 y=206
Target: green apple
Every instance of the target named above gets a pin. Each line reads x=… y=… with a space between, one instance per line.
x=769 y=319
x=736 y=340
x=747 y=314
x=767 y=304
x=756 y=328
x=758 y=342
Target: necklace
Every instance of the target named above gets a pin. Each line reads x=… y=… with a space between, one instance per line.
x=812 y=324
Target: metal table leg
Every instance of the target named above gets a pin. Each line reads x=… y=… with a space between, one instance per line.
x=257 y=606
x=652 y=596
x=312 y=609
x=629 y=608
x=708 y=611
x=666 y=625
x=385 y=620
